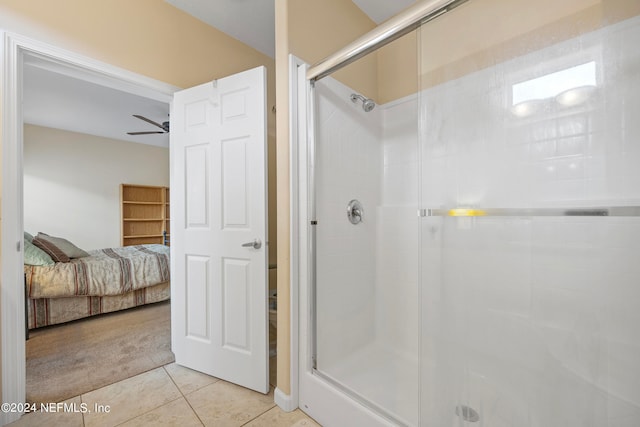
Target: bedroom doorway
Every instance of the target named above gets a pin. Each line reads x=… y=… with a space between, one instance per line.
x=17 y=50
x=77 y=152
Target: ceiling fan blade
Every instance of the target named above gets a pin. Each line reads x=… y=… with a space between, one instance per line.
x=148 y=121
x=144 y=133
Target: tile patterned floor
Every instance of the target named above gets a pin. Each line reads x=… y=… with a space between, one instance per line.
x=171 y=396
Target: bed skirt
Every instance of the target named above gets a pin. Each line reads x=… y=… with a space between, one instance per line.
x=51 y=311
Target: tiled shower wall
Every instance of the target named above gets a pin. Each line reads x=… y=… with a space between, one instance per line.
x=368 y=272
x=397 y=303
x=348 y=153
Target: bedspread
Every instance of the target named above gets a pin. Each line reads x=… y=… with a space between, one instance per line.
x=111 y=271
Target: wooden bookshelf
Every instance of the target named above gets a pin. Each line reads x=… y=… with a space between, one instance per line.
x=144 y=213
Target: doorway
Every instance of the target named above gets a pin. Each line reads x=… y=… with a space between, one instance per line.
x=75 y=160
x=17 y=49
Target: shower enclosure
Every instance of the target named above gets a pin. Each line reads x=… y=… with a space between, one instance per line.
x=469 y=252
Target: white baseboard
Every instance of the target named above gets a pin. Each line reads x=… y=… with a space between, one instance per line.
x=8 y=417
x=285 y=401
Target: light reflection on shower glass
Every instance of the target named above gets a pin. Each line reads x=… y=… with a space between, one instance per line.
x=550 y=85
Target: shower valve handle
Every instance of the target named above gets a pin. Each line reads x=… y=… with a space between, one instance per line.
x=355 y=212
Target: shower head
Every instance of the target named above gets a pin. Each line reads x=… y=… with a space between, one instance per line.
x=367 y=103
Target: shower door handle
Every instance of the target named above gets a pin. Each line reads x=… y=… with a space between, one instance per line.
x=256 y=244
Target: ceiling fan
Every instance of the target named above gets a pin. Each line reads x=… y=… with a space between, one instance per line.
x=164 y=126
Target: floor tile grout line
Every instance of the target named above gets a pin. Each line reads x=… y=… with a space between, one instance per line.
x=194 y=390
x=82 y=397
x=150 y=410
x=159 y=406
x=164 y=367
x=218 y=380
x=110 y=384
x=184 y=396
x=258 y=416
x=194 y=410
x=124 y=379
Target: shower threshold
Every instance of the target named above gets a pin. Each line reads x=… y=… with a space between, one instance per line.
x=379 y=378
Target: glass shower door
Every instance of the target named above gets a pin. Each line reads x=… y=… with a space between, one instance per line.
x=530 y=203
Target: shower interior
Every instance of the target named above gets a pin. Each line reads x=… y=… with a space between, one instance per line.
x=490 y=282
x=372 y=159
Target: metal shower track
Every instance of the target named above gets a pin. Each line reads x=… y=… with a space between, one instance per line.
x=385 y=33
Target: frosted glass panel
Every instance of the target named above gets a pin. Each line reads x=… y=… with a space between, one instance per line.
x=530 y=320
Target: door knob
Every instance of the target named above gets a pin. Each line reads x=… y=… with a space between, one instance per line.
x=256 y=244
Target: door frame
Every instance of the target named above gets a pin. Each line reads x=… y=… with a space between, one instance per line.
x=13 y=49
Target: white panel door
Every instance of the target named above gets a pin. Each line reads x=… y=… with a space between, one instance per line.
x=219 y=229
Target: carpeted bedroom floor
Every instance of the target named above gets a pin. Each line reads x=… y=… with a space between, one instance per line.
x=74 y=358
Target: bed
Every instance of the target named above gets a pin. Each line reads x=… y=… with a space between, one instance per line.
x=90 y=283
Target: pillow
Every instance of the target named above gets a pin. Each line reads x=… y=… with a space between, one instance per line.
x=60 y=250
x=35 y=256
x=28 y=237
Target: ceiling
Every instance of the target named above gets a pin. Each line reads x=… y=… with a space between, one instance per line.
x=253 y=21
x=381 y=10
x=57 y=100
x=60 y=100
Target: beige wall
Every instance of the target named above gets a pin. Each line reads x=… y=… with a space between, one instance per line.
x=283 y=346
x=311 y=30
x=72 y=183
x=316 y=31
x=149 y=37
x=398 y=69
